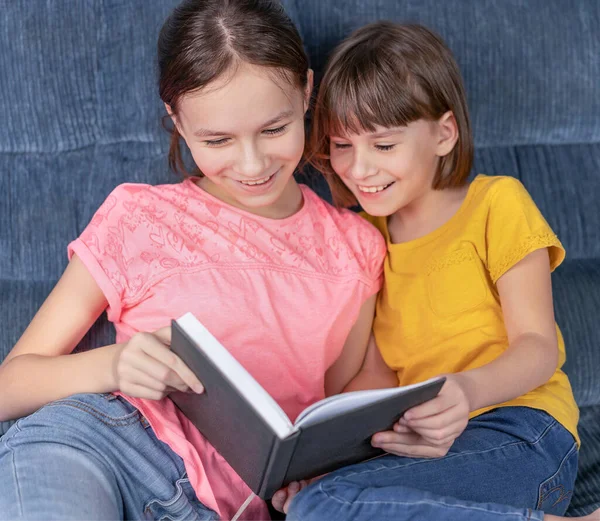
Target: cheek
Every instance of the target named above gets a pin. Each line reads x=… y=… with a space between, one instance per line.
x=209 y=161
x=339 y=162
x=289 y=147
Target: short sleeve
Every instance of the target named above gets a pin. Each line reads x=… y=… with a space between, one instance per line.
x=103 y=249
x=374 y=250
x=516 y=228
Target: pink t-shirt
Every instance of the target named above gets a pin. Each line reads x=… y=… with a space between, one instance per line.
x=280 y=294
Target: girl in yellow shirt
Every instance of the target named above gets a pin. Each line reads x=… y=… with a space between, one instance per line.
x=467 y=294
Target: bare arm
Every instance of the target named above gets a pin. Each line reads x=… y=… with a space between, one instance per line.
x=351 y=360
x=374 y=373
x=40 y=368
x=532 y=356
x=35 y=372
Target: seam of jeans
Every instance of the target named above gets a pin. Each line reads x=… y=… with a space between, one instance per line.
x=542 y=497
x=122 y=421
x=168 y=502
x=15 y=474
x=452 y=456
x=419 y=502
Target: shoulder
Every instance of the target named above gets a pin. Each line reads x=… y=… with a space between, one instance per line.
x=500 y=189
x=345 y=227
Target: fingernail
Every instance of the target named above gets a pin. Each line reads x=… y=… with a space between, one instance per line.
x=199 y=388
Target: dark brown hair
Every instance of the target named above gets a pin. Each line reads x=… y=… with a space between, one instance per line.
x=203 y=39
x=390 y=75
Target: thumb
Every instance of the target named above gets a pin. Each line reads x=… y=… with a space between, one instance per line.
x=164 y=335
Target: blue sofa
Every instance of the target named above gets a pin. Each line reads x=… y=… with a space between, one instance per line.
x=81 y=114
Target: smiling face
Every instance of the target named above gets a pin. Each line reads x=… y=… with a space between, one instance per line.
x=391 y=169
x=246 y=134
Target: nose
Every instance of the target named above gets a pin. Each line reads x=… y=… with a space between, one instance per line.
x=360 y=168
x=252 y=161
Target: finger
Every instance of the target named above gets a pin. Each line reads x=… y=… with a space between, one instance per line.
x=453 y=429
x=160 y=352
x=180 y=388
x=415 y=451
x=164 y=335
x=150 y=365
x=436 y=421
x=436 y=406
x=137 y=377
x=139 y=391
x=442 y=442
x=187 y=376
x=398 y=427
x=278 y=499
x=394 y=437
x=293 y=489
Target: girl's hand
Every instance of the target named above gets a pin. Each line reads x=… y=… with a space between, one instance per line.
x=283 y=497
x=145 y=367
x=429 y=430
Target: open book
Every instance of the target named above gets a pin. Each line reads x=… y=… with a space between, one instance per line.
x=245 y=424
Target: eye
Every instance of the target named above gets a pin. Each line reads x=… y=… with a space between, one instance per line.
x=274 y=131
x=216 y=142
x=384 y=147
x=341 y=146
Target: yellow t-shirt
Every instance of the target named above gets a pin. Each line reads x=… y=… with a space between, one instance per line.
x=439 y=310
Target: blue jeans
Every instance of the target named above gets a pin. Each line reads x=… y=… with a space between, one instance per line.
x=510 y=464
x=92 y=457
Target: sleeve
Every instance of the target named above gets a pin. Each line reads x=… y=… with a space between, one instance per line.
x=515 y=228
x=374 y=249
x=103 y=249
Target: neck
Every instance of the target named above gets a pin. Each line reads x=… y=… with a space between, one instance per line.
x=425 y=214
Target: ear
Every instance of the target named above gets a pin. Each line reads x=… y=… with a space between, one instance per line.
x=310 y=78
x=447 y=134
x=173 y=118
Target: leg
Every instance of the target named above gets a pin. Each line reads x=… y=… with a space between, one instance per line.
x=509 y=464
x=92 y=457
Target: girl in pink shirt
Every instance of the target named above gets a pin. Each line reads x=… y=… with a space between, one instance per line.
x=285 y=281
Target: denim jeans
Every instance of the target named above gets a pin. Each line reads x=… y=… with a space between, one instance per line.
x=510 y=464
x=92 y=457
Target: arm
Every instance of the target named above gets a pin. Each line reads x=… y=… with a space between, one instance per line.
x=429 y=430
x=532 y=356
x=39 y=369
x=374 y=373
x=349 y=363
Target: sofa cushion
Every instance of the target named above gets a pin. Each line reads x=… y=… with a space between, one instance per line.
x=576 y=288
x=586 y=497
x=48 y=80
x=564 y=182
x=48 y=199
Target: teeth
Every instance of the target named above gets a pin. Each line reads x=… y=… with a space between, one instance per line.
x=259 y=182
x=373 y=189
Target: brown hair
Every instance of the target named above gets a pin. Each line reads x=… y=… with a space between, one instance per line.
x=203 y=39
x=390 y=75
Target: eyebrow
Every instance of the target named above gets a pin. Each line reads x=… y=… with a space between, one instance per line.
x=379 y=135
x=387 y=133
x=203 y=132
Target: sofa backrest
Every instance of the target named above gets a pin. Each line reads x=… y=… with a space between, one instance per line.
x=80 y=79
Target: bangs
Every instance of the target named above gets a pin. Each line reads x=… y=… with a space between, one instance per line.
x=368 y=92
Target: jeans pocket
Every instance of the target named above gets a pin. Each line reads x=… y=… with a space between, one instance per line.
x=182 y=506
x=555 y=493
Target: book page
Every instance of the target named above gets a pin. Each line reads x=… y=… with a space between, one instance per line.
x=242 y=380
x=340 y=403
